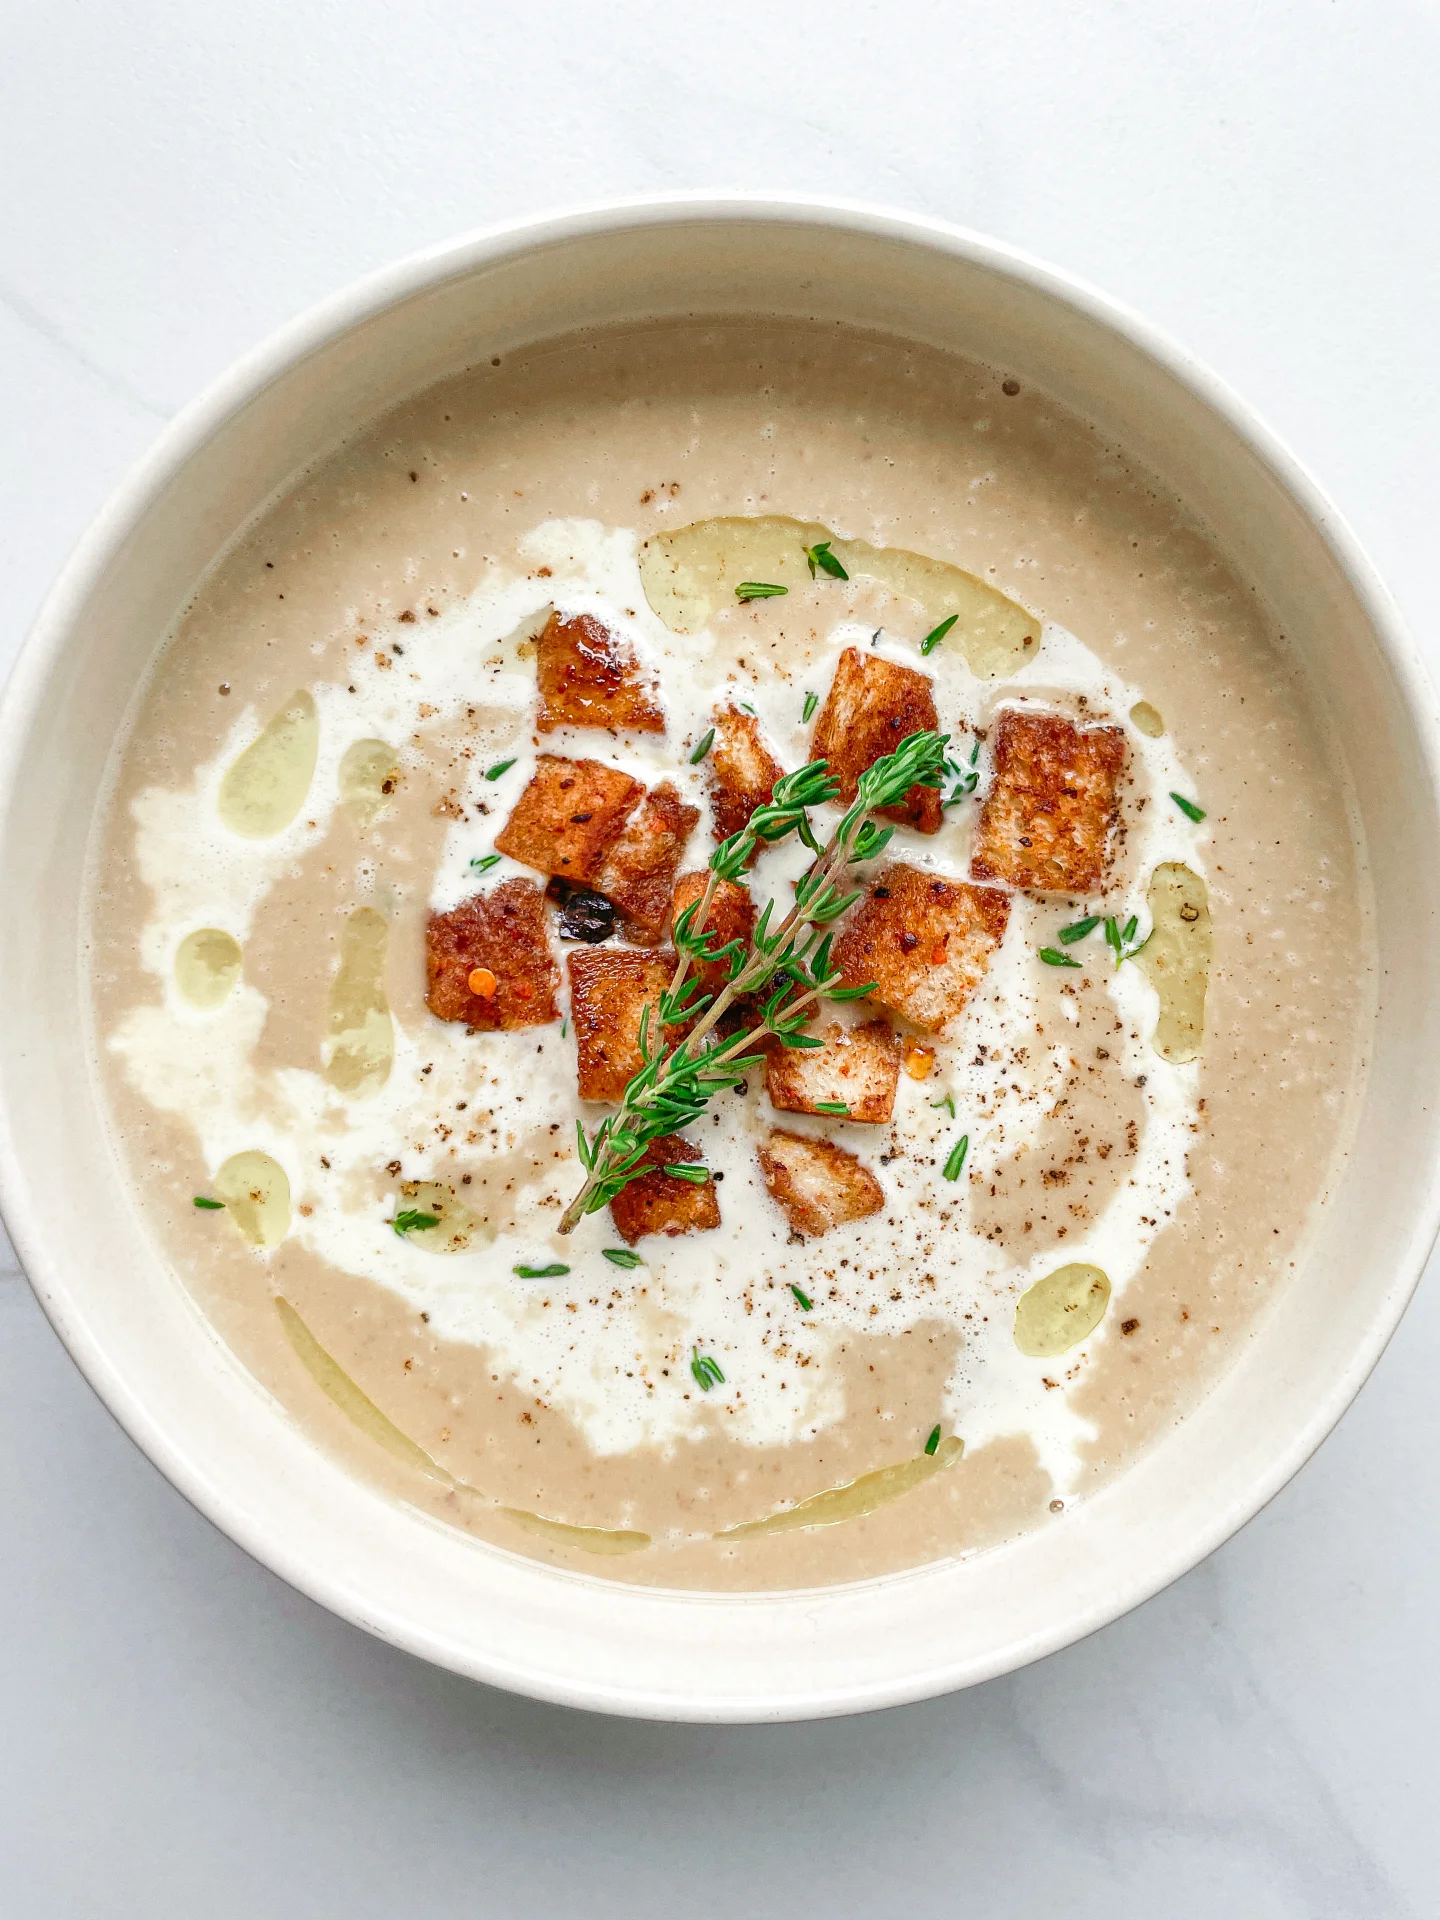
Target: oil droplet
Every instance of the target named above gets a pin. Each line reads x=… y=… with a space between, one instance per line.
x=1058 y=1311
x=361 y=1046
x=266 y=787
x=1176 y=959
x=1147 y=719
x=457 y=1229
x=587 y=1539
x=207 y=966
x=368 y=774
x=856 y=1497
x=257 y=1193
x=356 y=1405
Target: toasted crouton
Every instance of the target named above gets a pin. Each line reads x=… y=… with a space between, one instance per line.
x=816 y=1184
x=923 y=940
x=871 y=707
x=731 y=917
x=638 y=872
x=743 y=771
x=1046 y=820
x=659 y=1203
x=857 y=1068
x=569 y=816
x=609 y=990
x=505 y=933
x=589 y=677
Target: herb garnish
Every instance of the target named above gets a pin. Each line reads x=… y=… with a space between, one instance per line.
x=1121 y=941
x=1188 y=808
x=501 y=766
x=807 y=1305
x=758 y=590
x=412 y=1220
x=790 y=962
x=934 y=1441
x=704 y=747
x=820 y=556
x=937 y=634
x=697 y=1176
x=483 y=862
x=208 y=1206
x=957 y=1159
x=1079 y=929
x=706 y=1370
x=621 y=1256
x=812 y=701
x=842 y=1107
x=966 y=777
x=946 y=1100
x=552 y=1272
x=1054 y=958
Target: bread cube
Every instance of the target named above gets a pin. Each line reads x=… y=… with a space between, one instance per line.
x=743 y=771
x=569 y=816
x=924 y=940
x=872 y=706
x=589 y=677
x=816 y=1184
x=610 y=987
x=505 y=933
x=858 y=1068
x=638 y=873
x=657 y=1202
x=731 y=917
x=1046 y=820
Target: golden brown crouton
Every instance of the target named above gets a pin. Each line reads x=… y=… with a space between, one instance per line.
x=610 y=987
x=569 y=816
x=731 y=917
x=638 y=872
x=659 y=1203
x=743 y=771
x=1046 y=820
x=871 y=707
x=816 y=1184
x=923 y=940
x=857 y=1068
x=589 y=677
x=502 y=934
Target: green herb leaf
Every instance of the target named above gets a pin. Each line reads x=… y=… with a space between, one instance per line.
x=706 y=1371
x=483 y=862
x=501 y=766
x=820 y=556
x=1080 y=929
x=1054 y=958
x=412 y=1220
x=934 y=1441
x=1188 y=807
x=758 y=590
x=697 y=1176
x=621 y=1256
x=842 y=1107
x=208 y=1206
x=552 y=1272
x=956 y=1161
x=704 y=747
x=946 y=1100
x=937 y=634
x=812 y=701
x=807 y=1305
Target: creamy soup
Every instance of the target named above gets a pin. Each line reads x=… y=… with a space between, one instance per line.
x=417 y=789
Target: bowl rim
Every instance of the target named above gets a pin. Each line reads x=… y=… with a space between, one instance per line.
x=317 y=327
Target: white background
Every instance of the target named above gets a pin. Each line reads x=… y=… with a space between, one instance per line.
x=182 y=1734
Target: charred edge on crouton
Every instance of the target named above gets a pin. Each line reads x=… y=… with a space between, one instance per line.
x=1046 y=820
x=658 y=1203
x=731 y=917
x=872 y=706
x=743 y=772
x=857 y=1066
x=638 y=872
x=505 y=932
x=816 y=1184
x=925 y=942
x=589 y=677
x=569 y=816
x=609 y=991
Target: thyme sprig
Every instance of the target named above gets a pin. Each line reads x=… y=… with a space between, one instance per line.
x=789 y=963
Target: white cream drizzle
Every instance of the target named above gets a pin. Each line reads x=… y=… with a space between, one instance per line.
x=607 y=1347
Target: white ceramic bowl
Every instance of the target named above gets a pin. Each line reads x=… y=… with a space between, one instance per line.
x=164 y=1373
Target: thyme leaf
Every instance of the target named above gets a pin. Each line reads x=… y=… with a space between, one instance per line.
x=758 y=590
x=937 y=634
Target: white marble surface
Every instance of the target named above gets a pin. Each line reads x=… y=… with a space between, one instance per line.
x=181 y=1732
